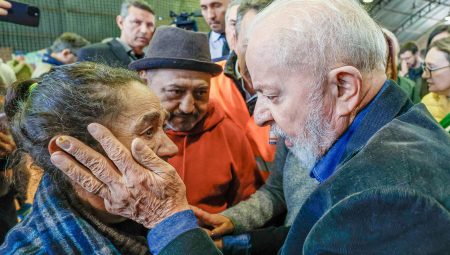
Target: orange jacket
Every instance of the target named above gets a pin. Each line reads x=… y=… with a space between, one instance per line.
x=223 y=90
x=215 y=162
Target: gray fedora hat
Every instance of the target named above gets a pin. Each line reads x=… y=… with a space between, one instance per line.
x=176 y=48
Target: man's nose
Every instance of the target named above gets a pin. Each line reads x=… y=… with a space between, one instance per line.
x=143 y=28
x=211 y=14
x=187 y=104
x=261 y=114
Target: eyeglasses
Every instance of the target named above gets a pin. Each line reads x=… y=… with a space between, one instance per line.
x=426 y=69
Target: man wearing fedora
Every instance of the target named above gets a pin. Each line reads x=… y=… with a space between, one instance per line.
x=215 y=159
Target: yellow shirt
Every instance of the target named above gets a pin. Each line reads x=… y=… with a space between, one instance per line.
x=438 y=105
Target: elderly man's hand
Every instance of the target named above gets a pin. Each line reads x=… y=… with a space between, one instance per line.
x=137 y=184
x=4 y=6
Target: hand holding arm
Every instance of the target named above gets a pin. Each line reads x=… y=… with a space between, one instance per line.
x=221 y=224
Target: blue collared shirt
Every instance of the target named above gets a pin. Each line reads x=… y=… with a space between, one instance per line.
x=216 y=44
x=326 y=166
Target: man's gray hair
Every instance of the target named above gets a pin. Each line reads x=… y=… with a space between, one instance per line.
x=248 y=5
x=70 y=41
x=140 y=4
x=231 y=4
x=317 y=36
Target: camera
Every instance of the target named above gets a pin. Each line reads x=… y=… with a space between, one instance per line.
x=184 y=20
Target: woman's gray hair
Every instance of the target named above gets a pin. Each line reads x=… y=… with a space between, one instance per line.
x=317 y=36
x=63 y=102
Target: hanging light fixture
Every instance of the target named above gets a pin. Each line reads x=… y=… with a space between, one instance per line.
x=367 y=1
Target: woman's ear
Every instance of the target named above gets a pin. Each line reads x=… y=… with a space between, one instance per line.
x=52 y=147
x=346 y=84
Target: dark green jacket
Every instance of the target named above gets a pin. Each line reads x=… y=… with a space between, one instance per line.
x=391 y=194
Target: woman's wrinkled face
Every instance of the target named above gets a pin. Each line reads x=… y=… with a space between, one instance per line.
x=140 y=117
x=143 y=117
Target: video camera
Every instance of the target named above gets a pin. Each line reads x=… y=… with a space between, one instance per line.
x=184 y=20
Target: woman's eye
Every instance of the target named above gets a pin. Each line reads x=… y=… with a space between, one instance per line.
x=149 y=132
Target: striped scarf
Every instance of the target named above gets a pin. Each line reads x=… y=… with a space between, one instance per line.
x=56 y=227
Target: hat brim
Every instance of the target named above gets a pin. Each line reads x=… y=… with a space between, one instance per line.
x=175 y=63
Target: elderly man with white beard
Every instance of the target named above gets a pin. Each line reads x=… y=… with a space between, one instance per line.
x=318 y=68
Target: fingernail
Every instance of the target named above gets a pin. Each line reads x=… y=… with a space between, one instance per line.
x=56 y=159
x=63 y=142
x=139 y=145
x=92 y=128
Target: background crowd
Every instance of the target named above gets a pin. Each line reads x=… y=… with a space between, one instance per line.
x=189 y=97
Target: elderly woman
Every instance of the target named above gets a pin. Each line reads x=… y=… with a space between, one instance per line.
x=437 y=74
x=66 y=219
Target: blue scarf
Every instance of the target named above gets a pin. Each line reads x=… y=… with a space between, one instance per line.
x=54 y=227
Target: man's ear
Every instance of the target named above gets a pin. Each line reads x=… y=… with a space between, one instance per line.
x=143 y=75
x=346 y=82
x=119 y=21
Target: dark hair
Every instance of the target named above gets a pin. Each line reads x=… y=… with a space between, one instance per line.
x=63 y=102
x=248 y=5
x=409 y=46
x=140 y=4
x=70 y=41
x=437 y=30
x=442 y=45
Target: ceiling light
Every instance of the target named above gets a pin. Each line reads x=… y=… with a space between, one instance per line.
x=367 y=1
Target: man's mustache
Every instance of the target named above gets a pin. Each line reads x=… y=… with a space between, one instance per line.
x=185 y=115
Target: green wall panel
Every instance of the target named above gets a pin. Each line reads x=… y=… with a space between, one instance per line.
x=93 y=19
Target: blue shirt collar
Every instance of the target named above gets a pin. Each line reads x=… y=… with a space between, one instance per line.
x=326 y=166
x=215 y=36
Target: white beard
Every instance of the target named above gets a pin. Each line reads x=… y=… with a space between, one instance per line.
x=316 y=137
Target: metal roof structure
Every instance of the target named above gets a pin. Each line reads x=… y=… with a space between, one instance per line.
x=409 y=19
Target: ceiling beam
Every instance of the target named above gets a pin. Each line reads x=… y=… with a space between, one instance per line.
x=441 y=2
x=422 y=12
x=380 y=4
